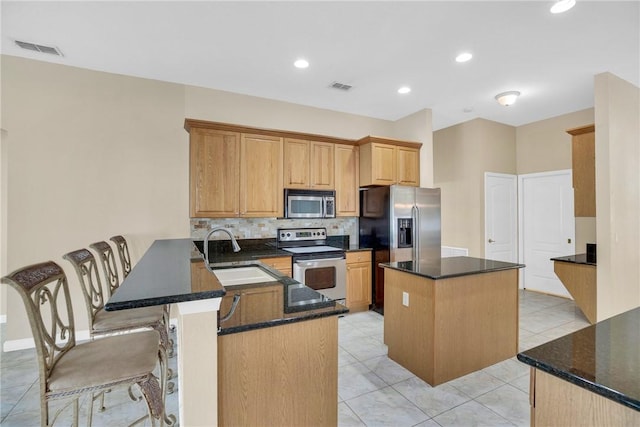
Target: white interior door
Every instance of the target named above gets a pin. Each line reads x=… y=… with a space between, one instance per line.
x=501 y=217
x=547 y=228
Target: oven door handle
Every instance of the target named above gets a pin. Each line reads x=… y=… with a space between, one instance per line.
x=311 y=263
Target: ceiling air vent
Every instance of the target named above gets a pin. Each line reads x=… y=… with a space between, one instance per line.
x=340 y=86
x=39 y=48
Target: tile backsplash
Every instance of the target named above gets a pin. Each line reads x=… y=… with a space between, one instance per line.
x=263 y=228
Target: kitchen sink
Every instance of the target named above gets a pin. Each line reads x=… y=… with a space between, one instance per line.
x=242 y=276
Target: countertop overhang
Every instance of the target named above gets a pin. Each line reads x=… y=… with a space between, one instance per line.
x=444 y=268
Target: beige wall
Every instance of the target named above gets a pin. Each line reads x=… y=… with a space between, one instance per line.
x=462 y=154
x=544 y=146
x=617 y=120
x=94 y=154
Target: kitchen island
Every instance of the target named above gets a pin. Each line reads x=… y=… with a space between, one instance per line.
x=447 y=317
x=277 y=337
x=590 y=377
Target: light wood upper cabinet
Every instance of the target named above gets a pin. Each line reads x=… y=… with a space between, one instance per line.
x=408 y=172
x=261 y=176
x=308 y=164
x=388 y=162
x=347 y=179
x=583 y=159
x=358 y=280
x=234 y=174
x=214 y=173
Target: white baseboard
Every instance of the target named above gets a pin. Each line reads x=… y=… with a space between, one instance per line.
x=25 y=343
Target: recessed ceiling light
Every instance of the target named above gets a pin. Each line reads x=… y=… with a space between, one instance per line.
x=562 y=6
x=507 y=98
x=464 y=57
x=404 y=89
x=301 y=63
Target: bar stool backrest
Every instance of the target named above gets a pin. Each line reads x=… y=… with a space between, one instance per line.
x=45 y=294
x=108 y=262
x=86 y=268
x=123 y=254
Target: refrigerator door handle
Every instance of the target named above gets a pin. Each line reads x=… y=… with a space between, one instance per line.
x=415 y=216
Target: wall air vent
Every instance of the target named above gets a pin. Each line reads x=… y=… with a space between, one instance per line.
x=39 y=48
x=340 y=86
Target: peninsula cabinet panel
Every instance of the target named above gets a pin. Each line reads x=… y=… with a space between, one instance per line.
x=557 y=402
x=214 y=173
x=280 y=263
x=261 y=176
x=583 y=162
x=280 y=376
x=308 y=164
x=347 y=180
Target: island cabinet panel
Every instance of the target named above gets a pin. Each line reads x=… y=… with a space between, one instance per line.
x=556 y=402
x=451 y=326
x=347 y=180
x=214 y=173
x=583 y=162
x=308 y=164
x=358 y=280
x=261 y=176
x=280 y=376
x=281 y=263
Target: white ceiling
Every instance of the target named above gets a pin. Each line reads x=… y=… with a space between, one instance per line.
x=249 y=48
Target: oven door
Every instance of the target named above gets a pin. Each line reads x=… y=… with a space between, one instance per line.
x=327 y=276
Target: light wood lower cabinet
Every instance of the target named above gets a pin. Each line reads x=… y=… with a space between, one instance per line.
x=280 y=376
x=556 y=402
x=281 y=263
x=358 y=280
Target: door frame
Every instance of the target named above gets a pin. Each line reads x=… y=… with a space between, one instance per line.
x=521 y=178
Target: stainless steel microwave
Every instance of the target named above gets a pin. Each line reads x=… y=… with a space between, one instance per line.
x=309 y=204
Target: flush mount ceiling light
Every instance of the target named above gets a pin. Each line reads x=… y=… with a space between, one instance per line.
x=507 y=98
x=562 y=6
x=404 y=89
x=464 y=57
x=301 y=63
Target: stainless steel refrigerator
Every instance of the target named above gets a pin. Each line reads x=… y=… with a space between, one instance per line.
x=399 y=223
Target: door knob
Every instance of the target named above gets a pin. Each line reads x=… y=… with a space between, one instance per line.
x=491 y=240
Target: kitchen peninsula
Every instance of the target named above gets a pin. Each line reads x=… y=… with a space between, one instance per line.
x=447 y=317
x=270 y=341
x=588 y=378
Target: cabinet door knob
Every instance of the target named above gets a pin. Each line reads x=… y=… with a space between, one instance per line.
x=491 y=240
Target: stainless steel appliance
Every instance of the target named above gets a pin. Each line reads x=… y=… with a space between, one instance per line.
x=399 y=223
x=309 y=204
x=317 y=265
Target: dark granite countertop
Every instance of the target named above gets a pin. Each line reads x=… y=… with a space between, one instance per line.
x=163 y=276
x=443 y=268
x=575 y=259
x=603 y=358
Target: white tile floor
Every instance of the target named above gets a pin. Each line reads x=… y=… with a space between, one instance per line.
x=372 y=390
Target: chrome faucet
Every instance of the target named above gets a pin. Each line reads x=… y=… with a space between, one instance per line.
x=234 y=243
